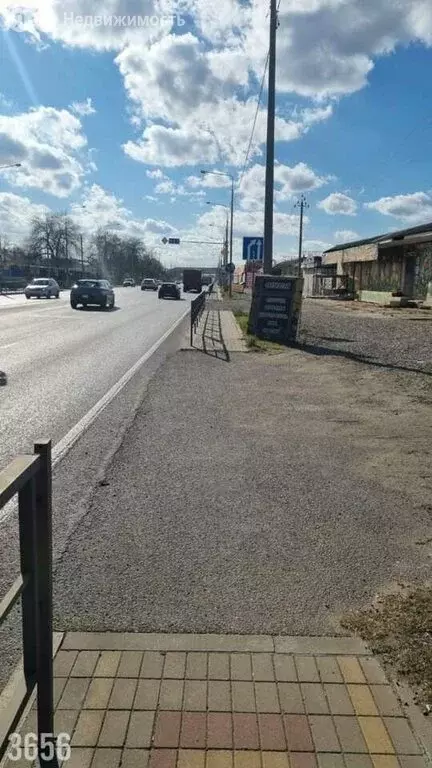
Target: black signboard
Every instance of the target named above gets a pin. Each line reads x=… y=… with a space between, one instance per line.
x=275 y=310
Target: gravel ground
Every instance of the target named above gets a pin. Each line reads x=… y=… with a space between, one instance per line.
x=268 y=494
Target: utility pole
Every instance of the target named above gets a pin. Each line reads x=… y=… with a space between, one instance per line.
x=302 y=204
x=231 y=237
x=82 y=255
x=269 y=177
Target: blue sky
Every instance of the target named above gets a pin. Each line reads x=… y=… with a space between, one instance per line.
x=113 y=122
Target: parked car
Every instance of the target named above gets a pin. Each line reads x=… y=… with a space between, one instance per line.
x=169 y=290
x=92 y=292
x=42 y=288
x=128 y=282
x=149 y=284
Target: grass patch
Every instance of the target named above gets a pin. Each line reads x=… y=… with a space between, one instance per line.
x=399 y=628
x=253 y=342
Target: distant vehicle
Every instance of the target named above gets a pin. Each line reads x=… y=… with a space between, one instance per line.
x=207 y=279
x=149 y=284
x=192 y=280
x=128 y=282
x=42 y=288
x=169 y=290
x=92 y=292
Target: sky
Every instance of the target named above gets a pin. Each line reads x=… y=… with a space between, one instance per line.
x=113 y=107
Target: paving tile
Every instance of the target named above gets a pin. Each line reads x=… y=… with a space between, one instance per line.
x=135 y=758
x=59 y=686
x=114 y=729
x=130 y=664
x=328 y=669
x=88 y=727
x=219 y=666
x=81 y=757
x=298 y=735
x=195 y=695
x=191 y=758
x=64 y=662
x=350 y=734
x=64 y=721
x=147 y=694
x=358 y=761
x=245 y=729
x=243 y=759
x=219 y=730
x=152 y=664
x=107 y=664
x=385 y=761
x=241 y=666
x=123 y=693
x=314 y=698
x=163 y=758
x=386 y=701
x=74 y=693
x=85 y=664
x=284 y=667
x=219 y=759
x=376 y=736
x=307 y=670
x=167 y=729
x=351 y=669
x=175 y=664
x=266 y=695
x=140 y=730
x=106 y=758
x=271 y=731
x=330 y=760
x=409 y=761
x=262 y=667
x=219 y=696
x=275 y=760
x=290 y=698
x=362 y=700
x=99 y=693
x=196 y=666
x=338 y=699
x=243 y=696
x=373 y=670
x=193 y=730
x=171 y=694
x=323 y=733
x=302 y=760
x=401 y=736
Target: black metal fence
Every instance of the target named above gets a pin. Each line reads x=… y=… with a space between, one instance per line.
x=30 y=478
x=197 y=308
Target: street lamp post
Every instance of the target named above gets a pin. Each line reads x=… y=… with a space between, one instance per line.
x=221 y=205
x=10 y=165
x=230 y=176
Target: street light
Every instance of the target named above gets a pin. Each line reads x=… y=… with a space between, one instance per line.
x=230 y=176
x=10 y=165
x=221 y=205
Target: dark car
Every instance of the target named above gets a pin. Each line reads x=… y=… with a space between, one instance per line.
x=92 y=292
x=169 y=290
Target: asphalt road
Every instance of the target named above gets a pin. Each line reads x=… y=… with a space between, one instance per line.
x=60 y=362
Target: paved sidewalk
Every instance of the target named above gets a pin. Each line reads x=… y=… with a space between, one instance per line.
x=218 y=333
x=227 y=701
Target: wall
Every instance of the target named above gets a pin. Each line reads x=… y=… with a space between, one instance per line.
x=422 y=253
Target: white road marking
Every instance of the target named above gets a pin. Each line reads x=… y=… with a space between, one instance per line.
x=12 y=344
x=65 y=444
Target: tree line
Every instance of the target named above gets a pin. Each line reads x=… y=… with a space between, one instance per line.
x=57 y=245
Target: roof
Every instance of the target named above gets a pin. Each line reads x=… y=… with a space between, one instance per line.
x=398 y=235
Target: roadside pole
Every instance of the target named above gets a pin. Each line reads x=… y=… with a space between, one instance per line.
x=302 y=204
x=269 y=177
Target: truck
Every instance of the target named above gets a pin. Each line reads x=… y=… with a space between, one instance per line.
x=207 y=279
x=192 y=280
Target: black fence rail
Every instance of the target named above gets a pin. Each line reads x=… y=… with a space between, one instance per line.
x=30 y=478
x=197 y=308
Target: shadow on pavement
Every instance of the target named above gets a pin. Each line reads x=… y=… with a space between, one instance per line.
x=212 y=339
x=319 y=351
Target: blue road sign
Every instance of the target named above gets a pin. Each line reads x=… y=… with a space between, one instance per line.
x=253 y=248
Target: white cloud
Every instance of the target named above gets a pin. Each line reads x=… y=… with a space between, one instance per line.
x=337 y=203
x=16 y=214
x=49 y=144
x=156 y=174
x=211 y=180
x=288 y=182
x=173 y=147
x=346 y=236
x=83 y=108
x=416 y=207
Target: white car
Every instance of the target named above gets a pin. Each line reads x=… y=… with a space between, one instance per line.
x=42 y=288
x=128 y=282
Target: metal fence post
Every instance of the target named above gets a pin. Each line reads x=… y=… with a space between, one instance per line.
x=45 y=704
x=28 y=555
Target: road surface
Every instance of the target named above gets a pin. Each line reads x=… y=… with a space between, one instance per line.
x=60 y=362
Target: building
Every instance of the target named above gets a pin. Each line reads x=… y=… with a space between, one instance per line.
x=394 y=263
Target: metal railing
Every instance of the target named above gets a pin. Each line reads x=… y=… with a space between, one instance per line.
x=197 y=308
x=30 y=478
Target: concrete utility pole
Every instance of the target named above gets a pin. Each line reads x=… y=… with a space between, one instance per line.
x=82 y=255
x=269 y=177
x=302 y=204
